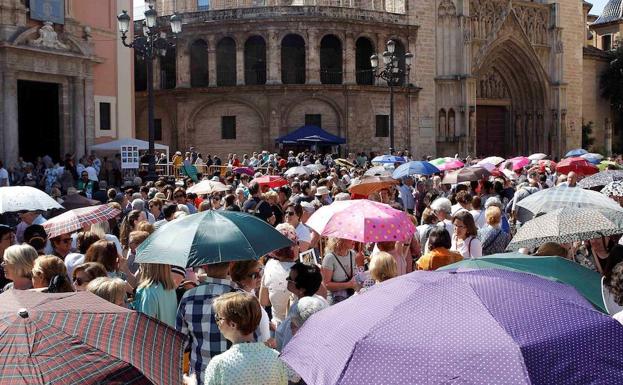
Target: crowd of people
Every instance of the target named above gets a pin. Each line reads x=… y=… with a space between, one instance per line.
x=237 y=316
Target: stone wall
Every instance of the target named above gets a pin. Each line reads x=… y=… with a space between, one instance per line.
x=595 y=108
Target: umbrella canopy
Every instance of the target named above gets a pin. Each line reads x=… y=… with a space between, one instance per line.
x=605 y=164
x=344 y=163
x=613 y=189
x=244 y=170
x=475 y=327
x=467 y=174
x=270 y=181
x=446 y=164
x=79 y=338
x=415 y=168
x=25 y=198
x=316 y=167
x=593 y=158
x=601 y=179
x=587 y=282
x=297 y=171
x=388 y=159
x=554 y=198
x=566 y=225
x=494 y=160
x=537 y=156
x=545 y=163
x=76 y=201
x=517 y=163
x=576 y=152
x=207 y=187
x=362 y=221
x=78 y=219
x=378 y=171
x=367 y=185
x=211 y=237
x=578 y=165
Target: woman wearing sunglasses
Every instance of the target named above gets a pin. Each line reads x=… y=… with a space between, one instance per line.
x=85 y=273
x=61 y=245
x=248 y=276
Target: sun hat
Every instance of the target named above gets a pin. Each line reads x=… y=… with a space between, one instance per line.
x=322 y=190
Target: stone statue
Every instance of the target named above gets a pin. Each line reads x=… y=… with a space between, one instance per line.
x=451 y=123
x=442 y=123
x=48 y=38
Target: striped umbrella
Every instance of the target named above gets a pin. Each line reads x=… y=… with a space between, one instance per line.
x=79 y=338
x=77 y=219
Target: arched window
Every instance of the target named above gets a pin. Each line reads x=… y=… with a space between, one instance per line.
x=452 y=123
x=293 y=60
x=400 y=54
x=330 y=60
x=140 y=74
x=167 y=70
x=364 y=49
x=226 y=62
x=255 y=60
x=199 y=64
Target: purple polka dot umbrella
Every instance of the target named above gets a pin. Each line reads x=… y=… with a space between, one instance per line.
x=491 y=327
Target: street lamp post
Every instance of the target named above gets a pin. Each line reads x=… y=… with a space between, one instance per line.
x=392 y=74
x=149 y=46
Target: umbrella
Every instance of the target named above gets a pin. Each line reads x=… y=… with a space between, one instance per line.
x=601 y=179
x=543 y=164
x=344 y=163
x=473 y=327
x=567 y=225
x=77 y=219
x=578 y=165
x=593 y=158
x=467 y=174
x=25 y=198
x=211 y=237
x=367 y=185
x=587 y=282
x=613 y=189
x=79 y=338
x=297 y=171
x=207 y=187
x=494 y=160
x=378 y=171
x=415 y=168
x=244 y=170
x=537 y=156
x=388 y=159
x=576 y=152
x=76 y=201
x=316 y=167
x=562 y=197
x=446 y=164
x=362 y=221
x=603 y=165
x=270 y=181
x=517 y=163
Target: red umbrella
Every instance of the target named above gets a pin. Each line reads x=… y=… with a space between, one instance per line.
x=77 y=219
x=79 y=338
x=543 y=164
x=270 y=181
x=578 y=165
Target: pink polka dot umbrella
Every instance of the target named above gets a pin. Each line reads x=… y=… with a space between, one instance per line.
x=362 y=221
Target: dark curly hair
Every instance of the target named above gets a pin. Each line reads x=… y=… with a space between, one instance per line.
x=615 y=284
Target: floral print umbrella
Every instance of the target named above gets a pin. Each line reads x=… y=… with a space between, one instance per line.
x=613 y=189
x=601 y=179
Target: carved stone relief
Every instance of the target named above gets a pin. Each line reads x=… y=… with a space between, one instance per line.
x=492 y=86
x=48 y=38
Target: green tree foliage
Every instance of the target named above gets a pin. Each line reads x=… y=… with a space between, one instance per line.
x=587 y=138
x=612 y=79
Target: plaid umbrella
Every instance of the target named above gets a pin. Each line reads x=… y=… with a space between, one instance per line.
x=561 y=197
x=613 y=189
x=270 y=181
x=601 y=179
x=474 y=327
x=367 y=185
x=566 y=225
x=207 y=187
x=578 y=165
x=79 y=338
x=25 y=198
x=77 y=219
x=467 y=174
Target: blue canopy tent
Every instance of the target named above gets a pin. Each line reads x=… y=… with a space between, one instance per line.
x=310 y=135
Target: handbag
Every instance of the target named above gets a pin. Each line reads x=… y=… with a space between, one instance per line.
x=349 y=292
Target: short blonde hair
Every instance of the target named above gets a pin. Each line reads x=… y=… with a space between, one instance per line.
x=47 y=267
x=137 y=237
x=145 y=226
x=383 y=266
x=156 y=273
x=107 y=288
x=493 y=215
x=21 y=258
x=242 y=308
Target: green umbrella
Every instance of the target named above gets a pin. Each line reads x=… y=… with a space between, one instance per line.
x=585 y=281
x=211 y=237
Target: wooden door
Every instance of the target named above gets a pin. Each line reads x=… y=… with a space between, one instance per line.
x=490 y=129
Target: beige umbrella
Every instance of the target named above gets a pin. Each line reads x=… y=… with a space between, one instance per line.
x=207 y=187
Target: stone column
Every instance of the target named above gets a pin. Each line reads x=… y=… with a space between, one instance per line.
x=212 y=61
x=273 y=60
x=78 y=123
x=182 y=65
x=608 y=136
x=312 y=50
x=89 y=113
x=240 y=61
x=349 y=65
x=10 y=132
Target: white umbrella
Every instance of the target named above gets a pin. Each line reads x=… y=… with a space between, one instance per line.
x=207 y=187
x=494 y=160
x=25 y=198
x=297 y=171
x=537 y=156
x=378 y=171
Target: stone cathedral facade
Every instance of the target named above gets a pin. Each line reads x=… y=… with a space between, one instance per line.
x=503 y=77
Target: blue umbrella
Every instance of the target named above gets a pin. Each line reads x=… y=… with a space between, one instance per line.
x=473 y=327
x=415 y=167
x=388 y=159
x=576 y=152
